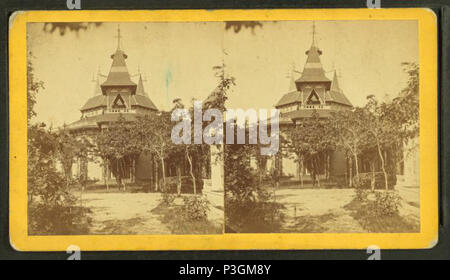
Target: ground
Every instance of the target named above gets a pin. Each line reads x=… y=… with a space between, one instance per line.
x=127 y=212
x=325 y=210
x=306 y=210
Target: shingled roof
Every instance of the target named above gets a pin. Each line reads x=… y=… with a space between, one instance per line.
x=94 y=122
x=118 y=74
x=311 y=79
x=141 y=97
x=336 y=93
x=94 y=102
x=290 y=98
x=313 y=70
x=143 y=101
x=140 y=87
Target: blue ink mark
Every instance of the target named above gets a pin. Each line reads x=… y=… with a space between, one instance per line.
x=168 y=81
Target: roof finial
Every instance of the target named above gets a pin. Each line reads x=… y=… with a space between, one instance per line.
x=314 y=33
x=118 y=36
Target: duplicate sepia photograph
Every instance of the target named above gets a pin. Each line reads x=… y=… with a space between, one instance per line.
x=223 y=127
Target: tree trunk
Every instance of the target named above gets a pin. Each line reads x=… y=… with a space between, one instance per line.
x=133 y=171
x=260 y=171
x=122 y=171
x=118 y=175
x=178 y=180
x=68 y=172
x=351 y=173
x=155 y=164
x=355 y=156
x=302 y=170
x=382 y=166
x=372 y=181
x=316 y=167
x=328 y=167
x=163 y=170
x=194 y=184
x=105 y=173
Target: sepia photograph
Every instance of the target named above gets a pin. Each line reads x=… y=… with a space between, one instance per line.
x=223 y=127
x=100 y=155
x=347 y=94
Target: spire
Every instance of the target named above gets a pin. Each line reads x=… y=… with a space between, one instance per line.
x=97 y=89
x=140 y=87
x=118 y=74
x=291 y=76
x=335 y=83
x=314 y=34
x=313 y=70
x=118 y=37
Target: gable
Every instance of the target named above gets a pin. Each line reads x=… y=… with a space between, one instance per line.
x=119 y=102
x=313 y=98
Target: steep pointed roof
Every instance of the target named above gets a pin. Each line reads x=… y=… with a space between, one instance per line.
x=292 y=85
x=313 y=70
x=118 y=74
x=335 y=83
x=140 y=87
x=336 y=94
x=97 y=88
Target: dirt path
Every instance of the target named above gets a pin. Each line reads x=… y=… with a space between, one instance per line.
x=124 y=213
x=317 y=210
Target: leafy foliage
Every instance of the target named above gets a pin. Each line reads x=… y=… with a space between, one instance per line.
x=68 y=149
x=250 y=207
x=310 y=140
x=386 y=203
x=195 y=207
x=237 y=26
x=34 y=85
x=167 y=198
x=50 y=203
x=348 y=132
x=63 y=27
x=115 y=146
x=151 y=134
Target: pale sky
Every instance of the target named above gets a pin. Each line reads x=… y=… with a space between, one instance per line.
x=177 y=59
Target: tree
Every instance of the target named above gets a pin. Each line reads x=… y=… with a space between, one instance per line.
x=310 y=141
x=34 y=85
x=63 y=27
x=152 y=134
x=219 y=96
x=115 y=146
x=404 y=110
x=393 y=124
x=69 y=148
x=50 y=202
x=348 y=133
x=381 y=129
